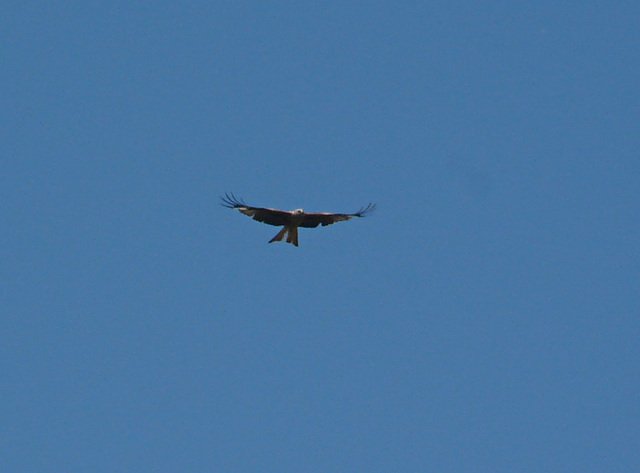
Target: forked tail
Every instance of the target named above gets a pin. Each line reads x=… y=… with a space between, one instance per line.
x=293 y=236
x=280 y=235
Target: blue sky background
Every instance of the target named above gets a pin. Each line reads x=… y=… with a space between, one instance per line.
x=486 y=318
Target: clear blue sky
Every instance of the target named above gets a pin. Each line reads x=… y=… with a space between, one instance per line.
x=485 y=319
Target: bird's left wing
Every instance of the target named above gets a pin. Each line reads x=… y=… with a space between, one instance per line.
x=312 y=220
x=261 y=214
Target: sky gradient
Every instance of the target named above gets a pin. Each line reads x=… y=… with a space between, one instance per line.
x=484 y=318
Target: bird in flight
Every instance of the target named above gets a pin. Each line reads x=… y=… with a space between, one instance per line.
x=290 y=220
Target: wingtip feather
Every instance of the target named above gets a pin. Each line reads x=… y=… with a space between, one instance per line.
x=364 y=211
x=230 y=201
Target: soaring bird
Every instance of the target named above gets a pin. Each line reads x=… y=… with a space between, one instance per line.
x=290 y=220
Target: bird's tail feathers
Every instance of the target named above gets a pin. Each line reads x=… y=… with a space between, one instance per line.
x=293 y=236
x=280 y=235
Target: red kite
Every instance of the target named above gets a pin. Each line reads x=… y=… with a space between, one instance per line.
x=290 y=220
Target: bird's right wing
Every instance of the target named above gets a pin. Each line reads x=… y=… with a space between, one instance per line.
x=312 y=220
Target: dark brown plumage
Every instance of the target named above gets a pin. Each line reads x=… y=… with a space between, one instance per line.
x=290 y=220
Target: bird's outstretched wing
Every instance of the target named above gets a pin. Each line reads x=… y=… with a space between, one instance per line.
x=312 y=220
x=264 y=215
